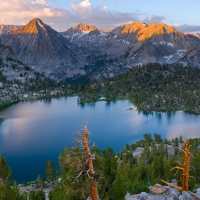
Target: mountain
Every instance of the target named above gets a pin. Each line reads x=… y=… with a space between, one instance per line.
x=86 y=28
x=45 y=50
x=111 y=53
x=86 y=53
x=82 y=29
x=7 y=28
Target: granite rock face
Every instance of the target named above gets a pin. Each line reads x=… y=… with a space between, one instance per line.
x=45 y=50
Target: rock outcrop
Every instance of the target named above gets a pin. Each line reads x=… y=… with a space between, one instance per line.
x=166 y=194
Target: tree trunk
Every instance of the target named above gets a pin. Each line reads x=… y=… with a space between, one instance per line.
x=94 y=192
x=186 y=167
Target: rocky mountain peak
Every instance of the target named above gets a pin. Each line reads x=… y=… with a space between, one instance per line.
x=86 y=28
x=133 y=27
x=33 y=27
x=156 y=30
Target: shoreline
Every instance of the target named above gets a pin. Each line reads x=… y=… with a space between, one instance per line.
x=5 y=104
x=139 y=109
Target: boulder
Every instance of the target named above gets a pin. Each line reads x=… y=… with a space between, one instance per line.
x=143 y=195
x=159 y=189
x=185 y=196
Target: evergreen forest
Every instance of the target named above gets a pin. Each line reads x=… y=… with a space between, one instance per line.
x=116 y=173
x=153 y=87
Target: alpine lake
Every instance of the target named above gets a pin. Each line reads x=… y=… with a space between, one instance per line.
x=33 y=132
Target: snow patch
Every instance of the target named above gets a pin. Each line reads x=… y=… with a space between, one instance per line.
x=40 y=23
x=168 y=57
x=181 y=52
x=166 y=43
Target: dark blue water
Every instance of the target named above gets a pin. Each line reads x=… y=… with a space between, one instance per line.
x=36 y=131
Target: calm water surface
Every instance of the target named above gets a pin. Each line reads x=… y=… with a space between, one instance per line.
x=36 y=131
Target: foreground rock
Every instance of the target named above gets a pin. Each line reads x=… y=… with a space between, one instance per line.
x=159 y=192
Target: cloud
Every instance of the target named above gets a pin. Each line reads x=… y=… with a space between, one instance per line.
x=81 y=6
x=100 y=16
x=20 y=12
x=41 y=2
x=153 y=19
x=187 y=28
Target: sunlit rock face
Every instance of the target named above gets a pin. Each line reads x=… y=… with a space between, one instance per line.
x=4 y=29
x=45 y=50
x=97 y=54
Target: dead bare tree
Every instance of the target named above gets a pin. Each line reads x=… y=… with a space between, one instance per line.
x=185 y=168
x=82 y=140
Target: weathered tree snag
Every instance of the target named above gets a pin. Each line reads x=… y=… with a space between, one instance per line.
x=93 y=188
x=94 y=192
x=186 y=166
x=87 y=151
x=185 y=175
x=84 y=143
x=174 y=186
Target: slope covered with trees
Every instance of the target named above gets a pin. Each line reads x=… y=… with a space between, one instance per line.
x=152 y=87
x=122 y=172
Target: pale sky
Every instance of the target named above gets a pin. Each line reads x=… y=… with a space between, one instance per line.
x=184 y=15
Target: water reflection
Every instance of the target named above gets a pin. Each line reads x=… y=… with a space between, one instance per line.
x=159 y=117
x=107 y=104
x=47 y=101
x=1 y=121
x=185 y=131
x=146 y=113
x=41 y=129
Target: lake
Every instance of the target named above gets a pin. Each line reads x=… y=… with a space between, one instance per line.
x=34 y=132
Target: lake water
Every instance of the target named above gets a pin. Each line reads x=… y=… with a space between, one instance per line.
x=34 y=132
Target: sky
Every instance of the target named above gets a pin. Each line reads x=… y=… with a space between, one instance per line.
x=184 y=15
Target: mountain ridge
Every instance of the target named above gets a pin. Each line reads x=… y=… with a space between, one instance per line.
x=86 y=50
